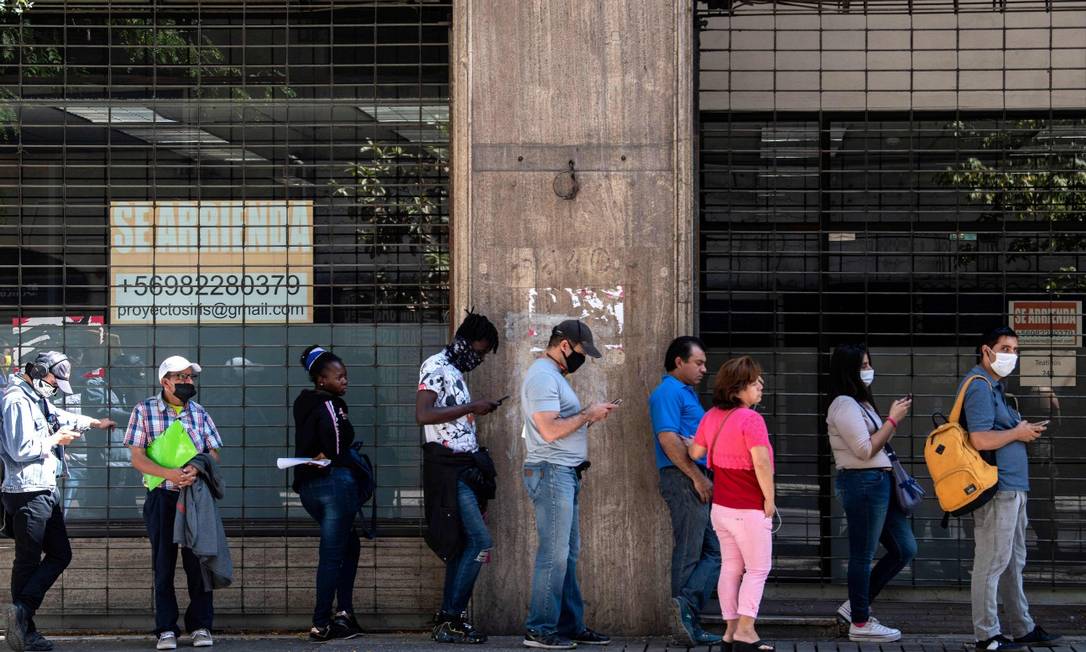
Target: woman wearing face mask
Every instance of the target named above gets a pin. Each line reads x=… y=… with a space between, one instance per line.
x=330 y=493
x=858 y=437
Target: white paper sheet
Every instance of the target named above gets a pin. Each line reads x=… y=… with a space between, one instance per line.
x=287 y=462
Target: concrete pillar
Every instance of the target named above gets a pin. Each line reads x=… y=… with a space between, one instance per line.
x=606 y=84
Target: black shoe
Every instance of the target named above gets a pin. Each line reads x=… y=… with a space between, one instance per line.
x=548 y=641
x=999 y=643
x=456 y=629
x=321 y=633
x=16 y=631
x=589 y=637
x=1038 y=637
x=35 y=642
x=344 y=625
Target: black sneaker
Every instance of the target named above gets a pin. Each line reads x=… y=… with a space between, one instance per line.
x=344 y=625
x=35 y=642
x=589 y=637
x=1038 y=637
x=999 y=643
x=548 y=641
x=456 y=629
x=16 y=631
x=321 y=633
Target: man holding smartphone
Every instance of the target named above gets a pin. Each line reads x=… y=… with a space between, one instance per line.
x=35 y=433
x=458 y=475
x=998 y=431
x=556 y=439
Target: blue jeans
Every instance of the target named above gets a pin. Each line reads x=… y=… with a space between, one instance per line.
x=461 y=571
x=332 y=501
x=695 y=555
x=873 y=517
x=556 y=604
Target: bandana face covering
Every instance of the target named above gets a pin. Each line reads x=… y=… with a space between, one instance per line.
x=462 y=356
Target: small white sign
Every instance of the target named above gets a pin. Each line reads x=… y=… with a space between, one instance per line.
x=1049 y=369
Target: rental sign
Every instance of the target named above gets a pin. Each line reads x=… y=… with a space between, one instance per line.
x=211 y=262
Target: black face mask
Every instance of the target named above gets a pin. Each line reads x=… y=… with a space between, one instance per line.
x=573 y=361
x=462 y=355
x=184 y=391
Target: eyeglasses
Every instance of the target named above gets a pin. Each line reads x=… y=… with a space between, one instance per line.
x=183 y=377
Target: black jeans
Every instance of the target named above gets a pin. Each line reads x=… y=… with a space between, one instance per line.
x=38 y=521
x=158 y=515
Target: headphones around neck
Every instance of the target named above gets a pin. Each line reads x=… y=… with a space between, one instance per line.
x=38 y=371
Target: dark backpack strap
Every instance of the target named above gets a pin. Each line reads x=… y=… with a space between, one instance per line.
x=945 y=523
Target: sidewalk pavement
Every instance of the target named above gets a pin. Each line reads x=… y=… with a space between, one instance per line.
x=421 y=642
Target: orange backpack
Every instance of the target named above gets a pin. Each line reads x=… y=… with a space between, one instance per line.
x=963 y=479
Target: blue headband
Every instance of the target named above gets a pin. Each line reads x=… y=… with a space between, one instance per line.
x=312 y=357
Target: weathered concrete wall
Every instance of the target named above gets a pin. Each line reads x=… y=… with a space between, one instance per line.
x=756 y=61
x=606 y=84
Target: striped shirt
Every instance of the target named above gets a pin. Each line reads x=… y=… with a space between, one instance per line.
x=151 y=417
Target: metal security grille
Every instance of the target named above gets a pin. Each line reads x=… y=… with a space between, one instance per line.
x=902 y=175
x=195 y=114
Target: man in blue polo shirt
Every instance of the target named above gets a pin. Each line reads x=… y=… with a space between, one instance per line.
x=687 y=489
x=998 y=431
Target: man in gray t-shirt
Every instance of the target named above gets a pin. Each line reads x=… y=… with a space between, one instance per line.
x=556 y=436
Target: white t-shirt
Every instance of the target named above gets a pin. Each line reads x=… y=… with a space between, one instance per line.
x=438 y=375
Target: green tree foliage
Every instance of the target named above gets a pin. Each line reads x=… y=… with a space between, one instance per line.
x=1030 y=171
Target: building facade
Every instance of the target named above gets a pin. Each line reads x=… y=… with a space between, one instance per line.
x=233 y=182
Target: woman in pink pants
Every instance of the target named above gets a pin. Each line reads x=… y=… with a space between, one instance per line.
x=741 y=457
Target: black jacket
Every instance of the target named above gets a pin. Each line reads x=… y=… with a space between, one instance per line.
x=320 y=426
x=441 y=470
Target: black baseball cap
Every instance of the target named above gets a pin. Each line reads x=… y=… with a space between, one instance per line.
x=578 y=333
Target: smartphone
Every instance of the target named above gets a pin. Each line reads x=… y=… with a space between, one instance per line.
x=1043 y=423
x=502 y=399
x=617 y=401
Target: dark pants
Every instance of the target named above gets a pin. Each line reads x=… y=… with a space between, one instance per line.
x=462 y=571
x=332 y=501
x=158 y=515
x=695 y=554
x=873 y=517
x=38 y=523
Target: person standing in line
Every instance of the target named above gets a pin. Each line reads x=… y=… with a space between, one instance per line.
x=1000 y=433
x=736 y=440
x=858 y=438
x=330 y=494
x=35 y=433
x=556 y=439
x=149 y=420
x=687 y=488
x=458 y=475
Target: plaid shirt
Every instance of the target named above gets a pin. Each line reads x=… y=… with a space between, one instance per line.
x=151 y=417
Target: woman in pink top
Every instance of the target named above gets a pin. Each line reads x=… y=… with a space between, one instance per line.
x=741 y=458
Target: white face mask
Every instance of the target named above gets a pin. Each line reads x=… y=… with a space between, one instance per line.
x=45 y=389
x=867 y=376
x=1004 y=364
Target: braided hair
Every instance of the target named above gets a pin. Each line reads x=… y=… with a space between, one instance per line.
x=315 y=358
x=477 y=327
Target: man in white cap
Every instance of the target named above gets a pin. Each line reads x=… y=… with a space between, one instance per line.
x=34 y=435
x=150 y=419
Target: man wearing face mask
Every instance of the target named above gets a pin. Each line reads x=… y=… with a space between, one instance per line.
x=458 y=475
x=150 y=419
x=1000 y=434
x=35 y=433
x=556 y=439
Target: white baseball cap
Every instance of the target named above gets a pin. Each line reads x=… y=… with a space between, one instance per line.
x=175 y=363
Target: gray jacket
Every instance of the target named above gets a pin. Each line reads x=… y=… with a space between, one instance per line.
x=30 y=464
x=198 y=526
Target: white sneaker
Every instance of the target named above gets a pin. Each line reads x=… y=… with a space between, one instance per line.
x=845 y=611
x=873 y=632
x=202 y=638
x=166 y=641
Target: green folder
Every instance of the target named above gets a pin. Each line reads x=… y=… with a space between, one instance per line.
x=172 y=449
